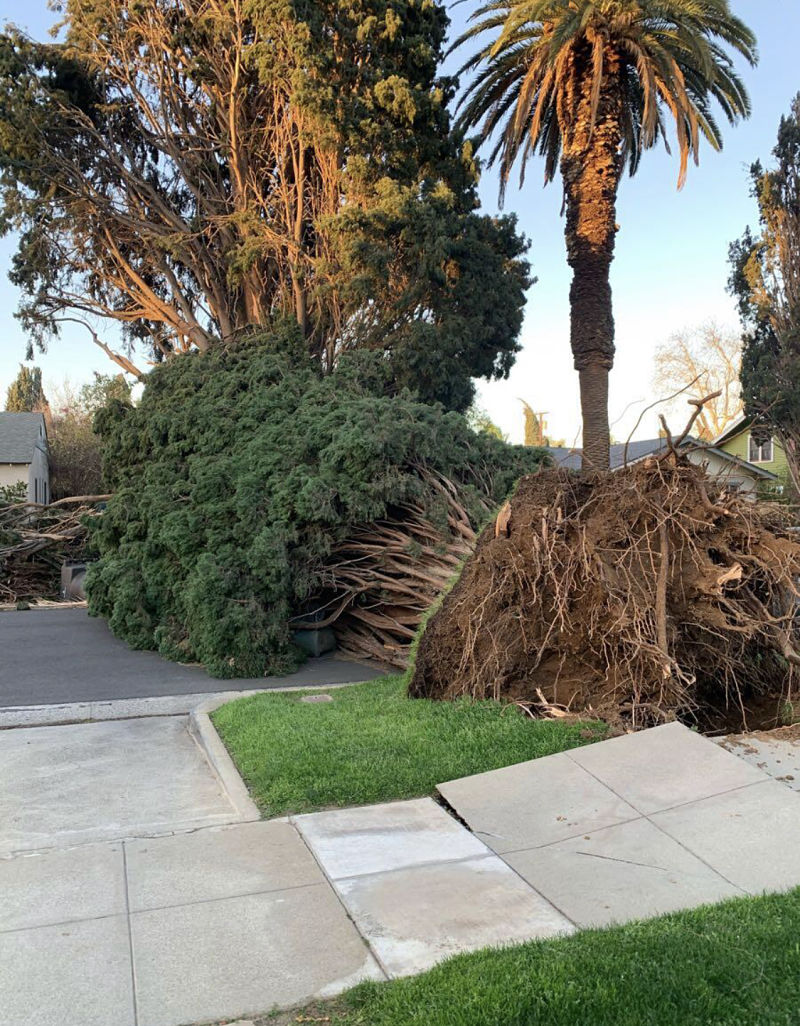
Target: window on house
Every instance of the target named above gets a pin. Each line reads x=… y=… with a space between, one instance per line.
x=36 y=489
x=760 y=449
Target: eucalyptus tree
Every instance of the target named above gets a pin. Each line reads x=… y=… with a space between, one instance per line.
x=590 y=85
x=193 y=170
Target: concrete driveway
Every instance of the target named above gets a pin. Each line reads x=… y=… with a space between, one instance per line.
x=61 y=656
x=136 y=886
x=136 y=891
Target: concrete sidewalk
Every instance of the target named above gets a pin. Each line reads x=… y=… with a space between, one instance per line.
x=103 y=924
x=162 y=931
x=135 y=892
x=626 y=829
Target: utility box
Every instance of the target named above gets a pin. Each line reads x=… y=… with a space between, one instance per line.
x=73 y=575
x=316 y=642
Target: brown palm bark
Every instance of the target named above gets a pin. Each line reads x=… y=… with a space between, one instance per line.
x=591 y=168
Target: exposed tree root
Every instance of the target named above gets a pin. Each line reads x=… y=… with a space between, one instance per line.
x=643 y=595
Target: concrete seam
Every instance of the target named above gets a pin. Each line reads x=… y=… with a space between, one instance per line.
x=130 y=937
x=159 y=908
x=150 y=831
x=679 y=805
x=542 y=895
x=694 y=854
x=340 y=898
x=572 y=837
x=62 y=922
x=216 y=754
x=225 y=897
x=682 y=805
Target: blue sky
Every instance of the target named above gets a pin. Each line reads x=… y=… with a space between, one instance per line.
x=670 y=269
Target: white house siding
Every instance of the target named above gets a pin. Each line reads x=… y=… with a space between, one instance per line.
x=13 y=473
x=39 y=477
x=36 y=475
x=732 y=475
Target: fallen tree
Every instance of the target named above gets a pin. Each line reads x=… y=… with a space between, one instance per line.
x=255 y=496
x=645 y=595
x=381 y=580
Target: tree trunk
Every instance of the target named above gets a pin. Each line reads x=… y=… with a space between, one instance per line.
x=593 y=380
x=591 y=168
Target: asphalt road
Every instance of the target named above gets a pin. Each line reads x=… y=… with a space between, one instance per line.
x=54 y=656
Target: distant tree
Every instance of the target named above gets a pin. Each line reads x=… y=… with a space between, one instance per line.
x=535 y=431
x=702 y=361
x=480 y=422
x=99 y=393
x=188 y=173
x=765 y=278
x=25 y=393
x=74 y=447
x=591 y=85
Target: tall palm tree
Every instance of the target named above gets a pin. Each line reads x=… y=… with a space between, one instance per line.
x=591 y=84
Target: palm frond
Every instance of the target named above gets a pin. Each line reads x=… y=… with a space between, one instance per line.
x=660 y=61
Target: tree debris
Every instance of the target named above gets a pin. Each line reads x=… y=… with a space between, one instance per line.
x=35 y=541
x=649 y=594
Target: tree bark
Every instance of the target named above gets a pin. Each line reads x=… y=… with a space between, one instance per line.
x=591 y=168
x=593 y=380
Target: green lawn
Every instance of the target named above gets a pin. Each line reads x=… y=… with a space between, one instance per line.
x=736 y=964
x=373 y=744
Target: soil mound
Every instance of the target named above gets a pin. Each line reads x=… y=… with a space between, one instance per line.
x=642 y=596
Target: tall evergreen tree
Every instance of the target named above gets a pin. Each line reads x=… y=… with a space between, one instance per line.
x=189 y=170
x=25 y=393
x=590 y=85
x=765 y=278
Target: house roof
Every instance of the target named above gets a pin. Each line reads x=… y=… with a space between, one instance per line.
x=20 y=434
x=570 y=459
x=735 y=428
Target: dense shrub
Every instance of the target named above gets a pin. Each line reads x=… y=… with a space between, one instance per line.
x=235 y=476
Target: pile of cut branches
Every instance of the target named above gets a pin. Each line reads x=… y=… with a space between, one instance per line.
x=36 y=540
x=645 y=595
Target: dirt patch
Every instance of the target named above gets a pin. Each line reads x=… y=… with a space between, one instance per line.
x=641 y=596
x=791 y=734
x=319 y=1013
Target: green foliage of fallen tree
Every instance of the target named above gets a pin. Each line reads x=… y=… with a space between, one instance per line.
x=243 y=471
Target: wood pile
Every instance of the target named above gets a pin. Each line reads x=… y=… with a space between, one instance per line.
x=36 y=540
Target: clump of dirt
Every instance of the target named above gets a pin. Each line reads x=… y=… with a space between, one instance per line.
x=642 y=596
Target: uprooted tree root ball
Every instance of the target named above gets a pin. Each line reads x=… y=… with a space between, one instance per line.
x=643 y=595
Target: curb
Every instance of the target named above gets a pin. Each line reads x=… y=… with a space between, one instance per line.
x=131 y=708
x=208 y=740
x=117 y=709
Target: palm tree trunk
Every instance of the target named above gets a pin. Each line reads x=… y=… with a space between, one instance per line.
x=591 y=168
x=593 y=379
